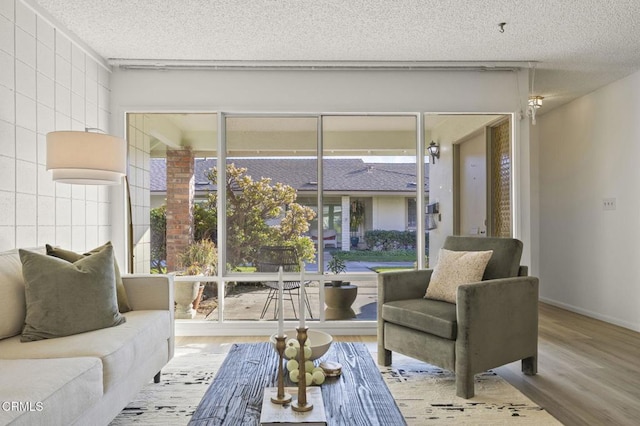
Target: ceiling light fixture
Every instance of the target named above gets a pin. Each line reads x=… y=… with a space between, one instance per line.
x=535 y=102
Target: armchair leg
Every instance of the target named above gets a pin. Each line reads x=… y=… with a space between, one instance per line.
x=384 y=356
x=464 y=386
x=530 y=366
x=156 y=378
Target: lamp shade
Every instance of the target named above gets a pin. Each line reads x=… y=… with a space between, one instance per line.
x=86 y=158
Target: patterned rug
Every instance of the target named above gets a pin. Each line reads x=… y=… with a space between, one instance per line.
x=425 y=394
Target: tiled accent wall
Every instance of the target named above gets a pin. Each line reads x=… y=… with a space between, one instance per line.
x=139 y=182
x=47 y=82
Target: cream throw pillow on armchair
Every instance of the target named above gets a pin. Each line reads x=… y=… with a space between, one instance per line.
x=453 y=269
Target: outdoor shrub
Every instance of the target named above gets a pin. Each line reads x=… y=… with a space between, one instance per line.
x=383 y=240
x=258 y=213
x=159 y=239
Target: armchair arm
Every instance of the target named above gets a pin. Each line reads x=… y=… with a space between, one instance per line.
x=398 y=285
x=497 y=323
x=401 y=285
x=149 y=292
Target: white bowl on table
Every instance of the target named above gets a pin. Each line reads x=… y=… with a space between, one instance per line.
x=320 y=341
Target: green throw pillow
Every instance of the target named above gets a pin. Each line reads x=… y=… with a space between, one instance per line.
x=71 y=256
x=68 y=298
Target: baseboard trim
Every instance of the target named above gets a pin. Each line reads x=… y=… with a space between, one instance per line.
x=591 y=314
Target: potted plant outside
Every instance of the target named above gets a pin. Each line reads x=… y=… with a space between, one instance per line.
x=339 y=296
x=199 y=258
x=356 y=218
x=336 y=265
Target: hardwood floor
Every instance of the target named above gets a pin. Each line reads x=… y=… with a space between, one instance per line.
x=588 y=370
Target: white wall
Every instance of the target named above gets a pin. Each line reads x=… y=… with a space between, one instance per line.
x=473 y=185
x=589 y=257
x=337 y=91
x=47 y=82
x=390 y=213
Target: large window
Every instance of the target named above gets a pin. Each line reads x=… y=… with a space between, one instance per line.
x=342 y=191
x=271 y=202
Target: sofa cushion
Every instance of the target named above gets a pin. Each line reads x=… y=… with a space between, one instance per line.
x=12 y=303
x=122 y=349
x=48 y=391
x=453 y=269
x=431 y=316
x=71 y=256
x=505 y=261
x=68 y=298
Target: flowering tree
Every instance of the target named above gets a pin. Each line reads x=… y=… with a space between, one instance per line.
x=258 y=213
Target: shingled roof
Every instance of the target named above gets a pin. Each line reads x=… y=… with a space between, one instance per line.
x=340 y=175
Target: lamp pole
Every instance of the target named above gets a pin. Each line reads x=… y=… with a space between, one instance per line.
x=129 y=225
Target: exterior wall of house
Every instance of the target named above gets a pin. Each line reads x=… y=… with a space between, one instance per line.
x=158 y=200
x=389 y=213
x=346 y=91
x=589 y=152
x=48 y=81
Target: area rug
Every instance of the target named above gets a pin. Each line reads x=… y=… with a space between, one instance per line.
x=425 y=394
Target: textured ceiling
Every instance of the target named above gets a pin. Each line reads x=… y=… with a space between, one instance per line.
x=578 y=45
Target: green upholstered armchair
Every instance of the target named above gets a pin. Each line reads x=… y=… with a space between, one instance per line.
x=494 y=322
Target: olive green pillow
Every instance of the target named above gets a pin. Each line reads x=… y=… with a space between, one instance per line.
x=71 y=256
x=65 y=298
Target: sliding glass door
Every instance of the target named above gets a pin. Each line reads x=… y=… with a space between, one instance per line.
x=270 y=183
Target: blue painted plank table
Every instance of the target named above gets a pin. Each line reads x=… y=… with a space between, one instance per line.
x=358 y=397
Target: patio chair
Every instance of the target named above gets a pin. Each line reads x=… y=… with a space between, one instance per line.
x=270 y=258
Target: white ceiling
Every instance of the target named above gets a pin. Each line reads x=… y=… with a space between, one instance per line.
x=578 y=45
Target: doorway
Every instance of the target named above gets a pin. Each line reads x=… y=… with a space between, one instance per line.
x=482 y=167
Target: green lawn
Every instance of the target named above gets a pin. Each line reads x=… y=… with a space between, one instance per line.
x=378 y=256
x=380 y=269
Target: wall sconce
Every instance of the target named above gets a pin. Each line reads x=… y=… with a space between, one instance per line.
x=434 y=151
x=535 y=102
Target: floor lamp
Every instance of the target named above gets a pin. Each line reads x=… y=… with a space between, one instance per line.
x=91 y=158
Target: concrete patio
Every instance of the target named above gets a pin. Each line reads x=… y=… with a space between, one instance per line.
x=245 y=301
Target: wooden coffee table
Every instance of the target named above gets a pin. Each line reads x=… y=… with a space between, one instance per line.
x=358 y=397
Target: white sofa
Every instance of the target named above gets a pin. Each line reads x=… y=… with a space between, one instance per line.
x=87 y=378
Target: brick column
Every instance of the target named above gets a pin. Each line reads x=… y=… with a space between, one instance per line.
x=180 y=194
